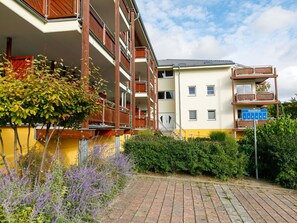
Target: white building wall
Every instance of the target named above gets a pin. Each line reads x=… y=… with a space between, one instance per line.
x=166 y=105
x=220 y=102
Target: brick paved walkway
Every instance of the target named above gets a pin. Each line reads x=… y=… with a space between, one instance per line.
x=167 y=199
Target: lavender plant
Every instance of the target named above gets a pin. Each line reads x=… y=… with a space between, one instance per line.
x=77 y=194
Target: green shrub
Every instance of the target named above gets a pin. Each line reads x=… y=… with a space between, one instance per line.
x=218 y=136
x=277 y=151
x=166 y=155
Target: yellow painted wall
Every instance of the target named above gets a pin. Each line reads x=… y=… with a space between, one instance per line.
x=194 y=133
x=68 y=148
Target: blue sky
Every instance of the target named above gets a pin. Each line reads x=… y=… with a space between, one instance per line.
x=252 y=32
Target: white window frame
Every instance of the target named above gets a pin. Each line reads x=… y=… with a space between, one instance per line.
x=192 y=119
x=207 y=90
x=189 y=93
x=215 y=115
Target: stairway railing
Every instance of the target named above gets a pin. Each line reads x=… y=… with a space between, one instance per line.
x=171 y=132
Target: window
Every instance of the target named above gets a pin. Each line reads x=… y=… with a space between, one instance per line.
x=244 y=89
x=210 y=90
x=192 y=115
x=165 y=74
x=192 y=90
x=211 y=114
x=165 y=95
x=161 y=95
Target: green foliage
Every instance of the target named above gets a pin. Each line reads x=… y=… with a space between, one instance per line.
x=277 y=151
x=46 y=95
x=165 y=155
x=23 y=214
x=218 y=136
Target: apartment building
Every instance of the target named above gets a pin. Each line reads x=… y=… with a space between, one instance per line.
x=197 y=97
x=113 y=35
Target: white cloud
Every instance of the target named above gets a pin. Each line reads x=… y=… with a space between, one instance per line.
x=258 y=34
x=287 y=83
x=275 y=18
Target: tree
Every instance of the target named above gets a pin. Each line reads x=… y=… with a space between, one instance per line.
x=49 y=94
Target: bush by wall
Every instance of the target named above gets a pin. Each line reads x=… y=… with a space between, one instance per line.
x=166 y=155
x=277 y=151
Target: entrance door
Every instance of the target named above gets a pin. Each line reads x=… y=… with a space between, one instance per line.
x=167 y=121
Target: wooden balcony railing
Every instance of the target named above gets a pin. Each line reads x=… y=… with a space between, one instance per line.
x=106 y=116
x=99 y=29
x=140 y=122
x=20 y=64
x=54 y=9
x=141 y=52
x=124 y=117
x=265 y=96
x=125 y=61
x=253 y=70
x=141 y=86
x=125 y=9
x=250 y=123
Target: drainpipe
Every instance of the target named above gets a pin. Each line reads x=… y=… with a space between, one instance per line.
x=179 y=102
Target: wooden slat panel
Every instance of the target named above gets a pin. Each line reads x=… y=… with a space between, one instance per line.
x=125 y=61
x=109 y=116
x=140 y=87
x=37 y=5
x=241 y=123
x=21 y=64
x=265 y=96
x=124 y=118
x=66 y=134
x=141 y=53
x=96 y=27
x=263 y=70
x=109 y=43
x=140 y=123
x=61 y=8
x=125 y=9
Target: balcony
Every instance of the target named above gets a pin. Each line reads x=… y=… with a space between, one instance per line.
x=107 y=115
x=55 y=9
x=260 y=73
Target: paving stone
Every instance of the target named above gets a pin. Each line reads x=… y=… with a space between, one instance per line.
x=171 y=200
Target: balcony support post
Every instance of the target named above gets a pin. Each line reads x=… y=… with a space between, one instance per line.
x=148 y=90
x=276 y=92
x=117 y=77
x=85 y=45
x=133 y=106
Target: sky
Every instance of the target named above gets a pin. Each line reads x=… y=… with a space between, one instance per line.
x=249 y=32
